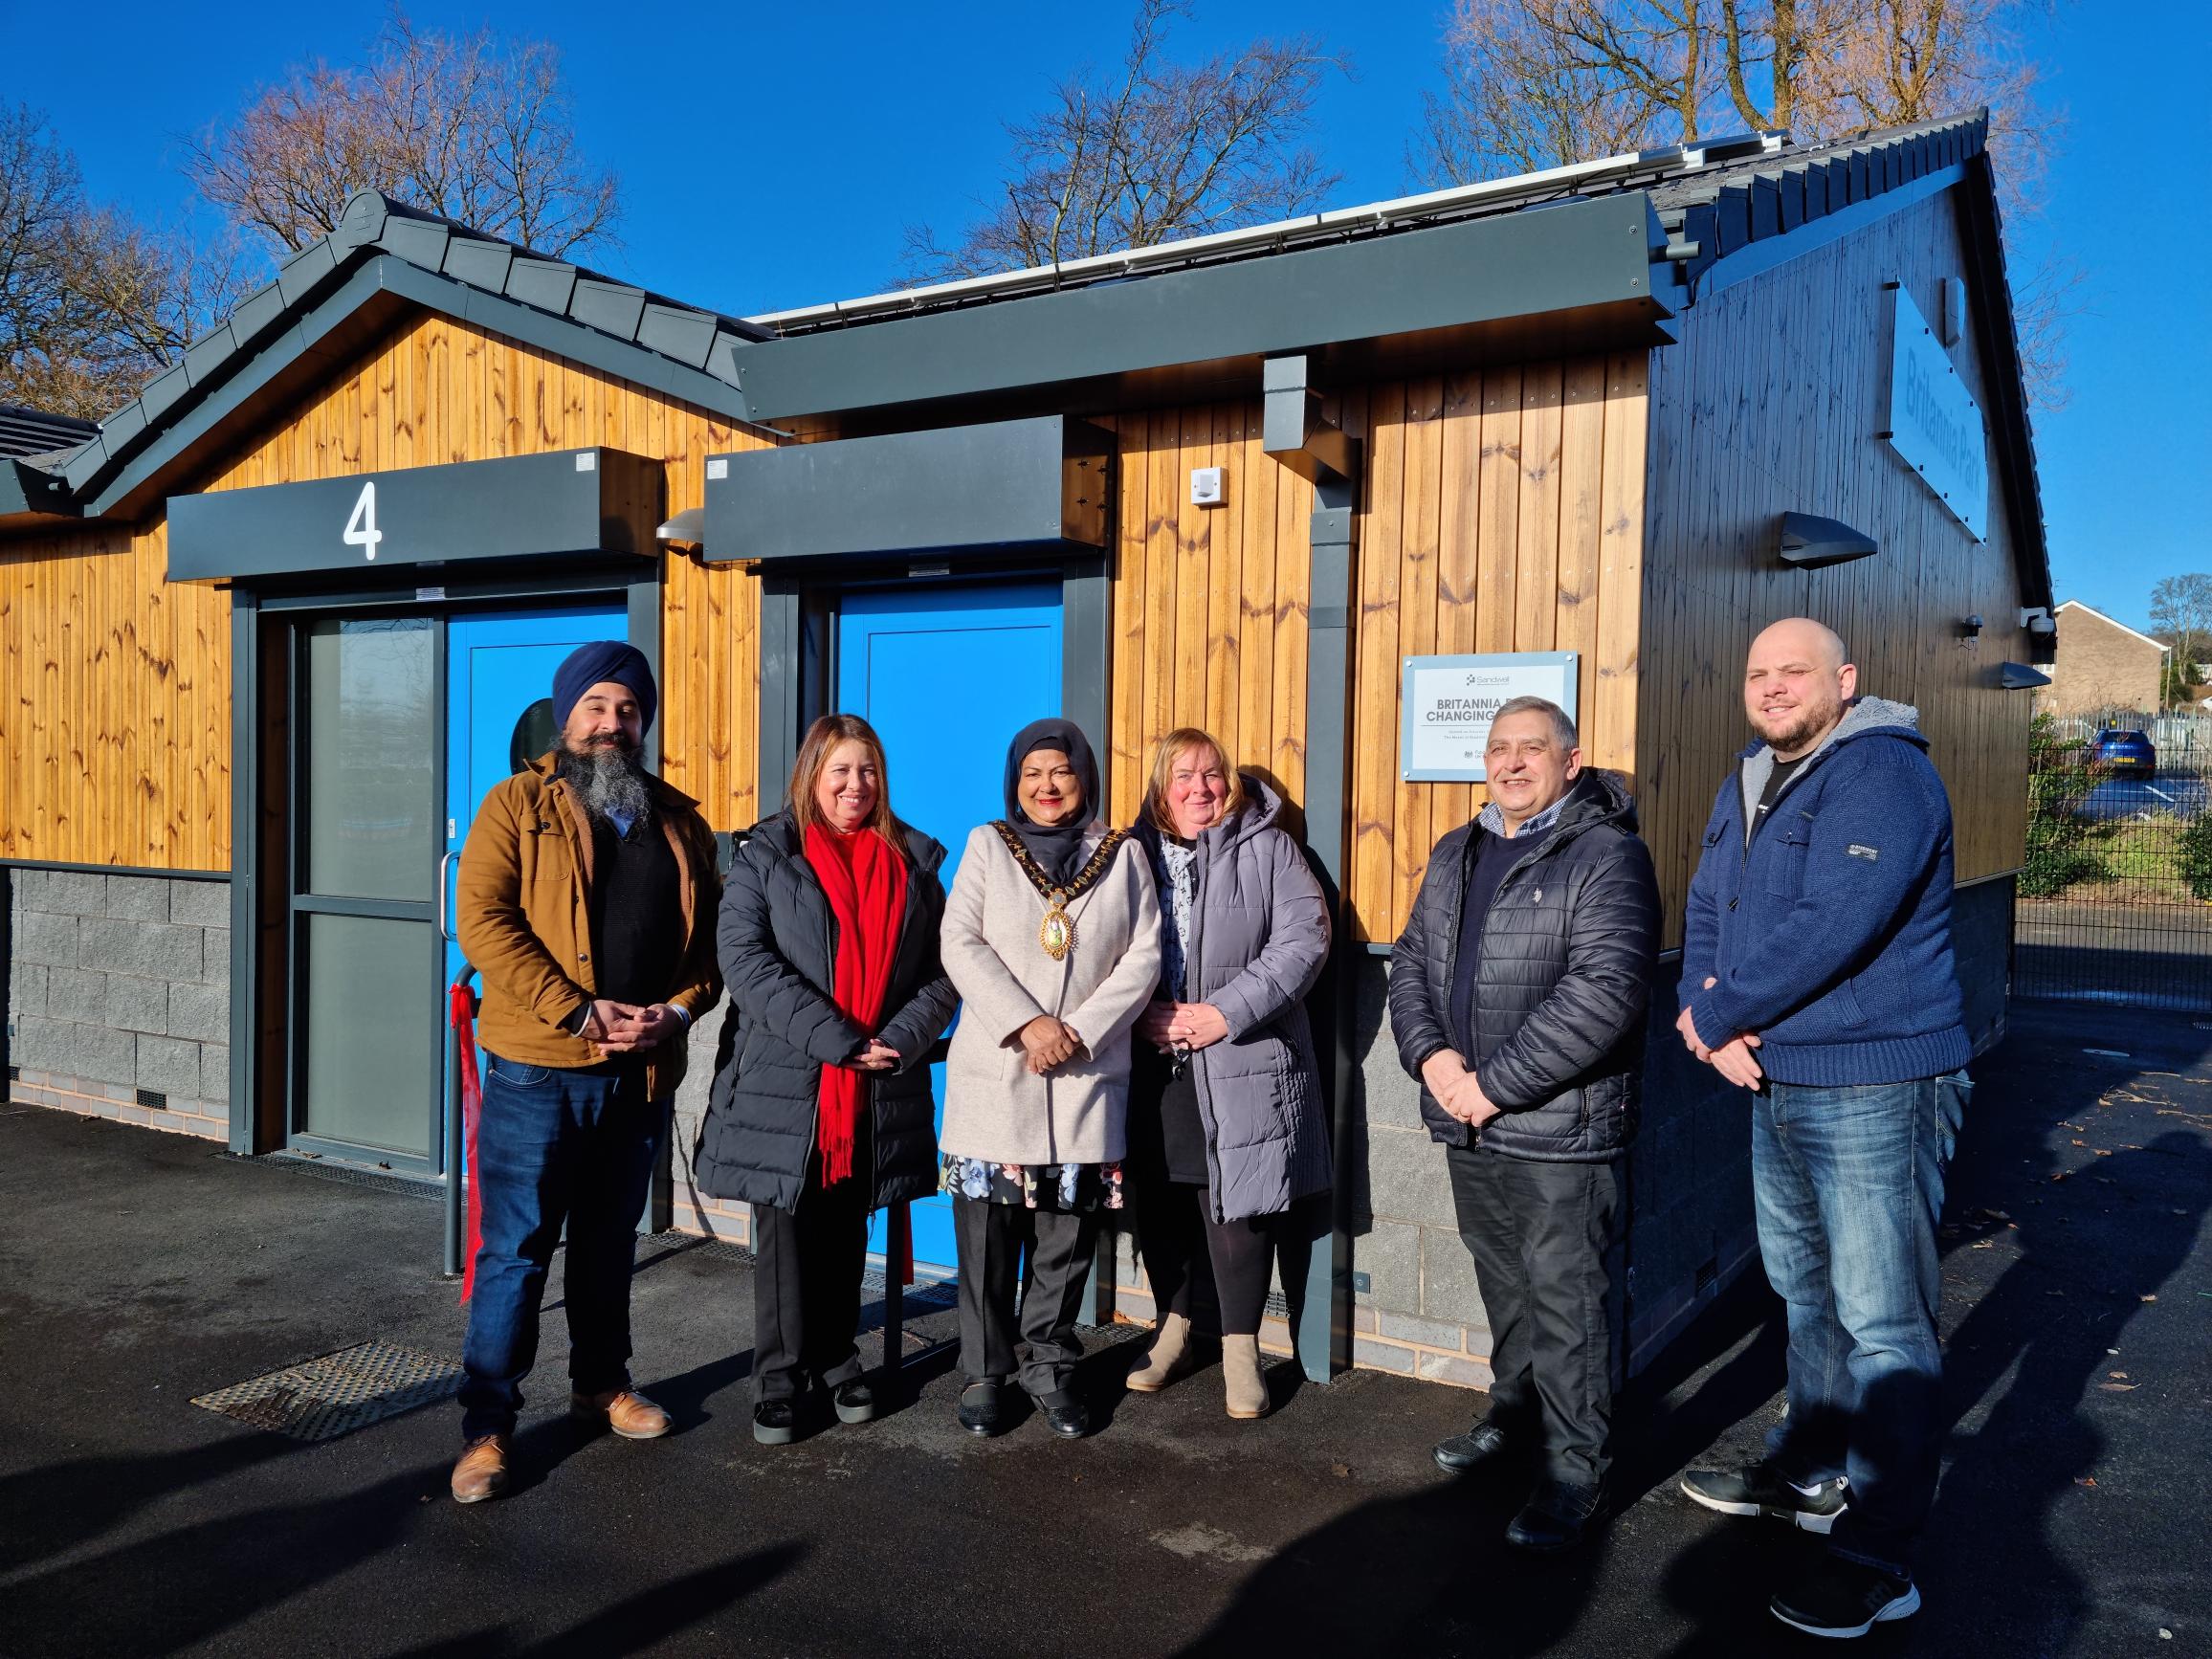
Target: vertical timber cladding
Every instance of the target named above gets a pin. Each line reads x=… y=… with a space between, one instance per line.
x=1772 y=401
x=115 y=687
x=115 y=684
x=1502 y=510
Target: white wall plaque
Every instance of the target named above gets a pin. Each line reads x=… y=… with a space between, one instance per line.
x=1449 y=703
x=1936 y=427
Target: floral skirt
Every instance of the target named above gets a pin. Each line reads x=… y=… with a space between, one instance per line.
x=1069 y=1187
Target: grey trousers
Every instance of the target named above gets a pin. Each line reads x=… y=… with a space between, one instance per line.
x=1008 y=1250
x=1542 y=1235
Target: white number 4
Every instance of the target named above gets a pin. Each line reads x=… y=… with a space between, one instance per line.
x=360 y=529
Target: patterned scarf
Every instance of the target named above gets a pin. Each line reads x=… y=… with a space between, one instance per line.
x=865 y=881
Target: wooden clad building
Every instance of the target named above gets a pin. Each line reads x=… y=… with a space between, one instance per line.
x=267 y=637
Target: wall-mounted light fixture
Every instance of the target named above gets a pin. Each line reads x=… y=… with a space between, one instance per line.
x=2019 y=676
x=1809 y=543
x=2038 y=620
x=1970 y=628
x=689 y=525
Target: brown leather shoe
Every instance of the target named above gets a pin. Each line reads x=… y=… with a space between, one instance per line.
x=482 y=1471
x=625 y=1410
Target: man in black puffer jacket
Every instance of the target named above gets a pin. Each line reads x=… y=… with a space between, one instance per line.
x=1517 y=991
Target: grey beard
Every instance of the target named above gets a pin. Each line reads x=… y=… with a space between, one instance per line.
x=610 y=782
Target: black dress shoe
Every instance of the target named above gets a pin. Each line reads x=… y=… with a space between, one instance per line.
x=855 y=1402
x=979 y=1411
x=1557 y=1517
x=775 y=1422
x=1065 y=1414
x=1483 y=1446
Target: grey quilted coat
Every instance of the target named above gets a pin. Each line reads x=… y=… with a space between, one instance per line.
x=777 y=939
x=1568 y=950
x=1259 y=940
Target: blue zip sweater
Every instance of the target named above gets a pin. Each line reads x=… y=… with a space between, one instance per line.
x=1829 y=927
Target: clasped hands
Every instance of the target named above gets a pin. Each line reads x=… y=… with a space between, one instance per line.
x=1456 y=1089
x=1049 y=1043
x=1181 y=1027
x=1733 y=1059
x=627 y=1029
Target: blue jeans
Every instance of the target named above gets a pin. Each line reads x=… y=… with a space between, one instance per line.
x=1848 y=1182
x=555 y=1146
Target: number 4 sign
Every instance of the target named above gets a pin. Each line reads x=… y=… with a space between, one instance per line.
x=360 y=529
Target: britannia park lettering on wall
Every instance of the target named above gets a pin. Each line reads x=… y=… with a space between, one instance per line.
x=1936 y=427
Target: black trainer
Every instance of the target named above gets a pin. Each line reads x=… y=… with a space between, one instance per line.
x=1483 y=1446
x=1557 y=1517
x=1763 y=1489
x=855 y=1402
x=1843 y=1598
x=775 y=1422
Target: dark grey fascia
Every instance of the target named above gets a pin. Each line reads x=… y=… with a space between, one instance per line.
x=566 y=502
x=27 y=494
x=1591 y=259
x=1040 y=483
x=327 y=338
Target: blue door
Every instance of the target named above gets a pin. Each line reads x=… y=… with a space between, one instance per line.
x=499 y=710
x=947 y=675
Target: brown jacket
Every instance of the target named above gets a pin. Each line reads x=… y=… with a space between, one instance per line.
x=525 y=906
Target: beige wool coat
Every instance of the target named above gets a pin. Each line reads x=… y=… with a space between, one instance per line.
x=994 y=1108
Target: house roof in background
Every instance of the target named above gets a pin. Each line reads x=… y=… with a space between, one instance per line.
x=2077 y=605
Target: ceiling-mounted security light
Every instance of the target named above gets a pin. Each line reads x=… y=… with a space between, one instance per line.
x=2037 y=619
x=1810 y=543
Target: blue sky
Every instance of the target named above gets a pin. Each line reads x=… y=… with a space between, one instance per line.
x=772 y=156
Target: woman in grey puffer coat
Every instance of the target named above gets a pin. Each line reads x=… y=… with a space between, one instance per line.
x=1226 y=1127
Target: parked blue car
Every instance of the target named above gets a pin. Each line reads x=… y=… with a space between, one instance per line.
x=2126 y=754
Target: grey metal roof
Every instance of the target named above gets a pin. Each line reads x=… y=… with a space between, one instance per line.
x=31 y=432
x=374 y=226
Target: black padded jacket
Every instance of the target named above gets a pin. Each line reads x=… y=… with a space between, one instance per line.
x=776 y=940
x=1568 y=950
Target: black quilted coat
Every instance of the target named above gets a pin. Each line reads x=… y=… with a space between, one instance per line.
x=776 y=940
x=1568 y=949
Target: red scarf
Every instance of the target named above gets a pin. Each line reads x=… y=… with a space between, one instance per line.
x=865 y=881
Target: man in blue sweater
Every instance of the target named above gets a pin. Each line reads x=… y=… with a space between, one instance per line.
x=1816 y=974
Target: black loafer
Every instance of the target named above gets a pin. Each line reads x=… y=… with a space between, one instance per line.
x=1483 y=1446
x=979 y=1410
x=775 y=1422
x=1065 y=1414
x=1557 y=1516
x=855 y=1402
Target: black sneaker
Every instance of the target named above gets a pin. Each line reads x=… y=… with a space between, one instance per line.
x=1763 y=1489
x=1843 y=1598
x=1557 y=1516
x=775 y=1423
x=1484 y=1445
x=854 y=1401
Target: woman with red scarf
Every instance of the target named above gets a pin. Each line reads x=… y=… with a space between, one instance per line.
x=821 y=1110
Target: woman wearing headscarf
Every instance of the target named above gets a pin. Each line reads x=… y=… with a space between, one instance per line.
x=1226 y=1127
x=1051 y=935
x=821 y=1110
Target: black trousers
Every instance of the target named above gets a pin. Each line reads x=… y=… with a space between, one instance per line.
x=1542 y=1235
x=1214 y=1273
x=807 y=1285
x=1008 y=1250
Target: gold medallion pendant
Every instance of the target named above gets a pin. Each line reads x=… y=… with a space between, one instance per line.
x=1056 y=932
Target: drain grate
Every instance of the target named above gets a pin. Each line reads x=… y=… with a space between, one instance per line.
x=425 y=1186
x=338 y=1393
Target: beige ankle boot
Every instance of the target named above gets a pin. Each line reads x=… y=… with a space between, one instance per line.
x=1169 y=1358
x=1241 y=1375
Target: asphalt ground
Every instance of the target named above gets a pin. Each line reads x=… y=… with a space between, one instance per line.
x=138 y=1270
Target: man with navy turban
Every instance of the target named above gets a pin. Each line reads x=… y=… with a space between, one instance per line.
x=586 y=902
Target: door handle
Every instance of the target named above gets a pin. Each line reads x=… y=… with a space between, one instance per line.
x=445 y=929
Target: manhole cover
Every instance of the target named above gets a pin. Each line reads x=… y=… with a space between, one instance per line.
x=339 y=1392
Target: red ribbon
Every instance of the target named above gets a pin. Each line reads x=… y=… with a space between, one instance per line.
x=464 y=1022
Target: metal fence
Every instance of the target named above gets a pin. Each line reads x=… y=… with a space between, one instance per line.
x=2116 y=898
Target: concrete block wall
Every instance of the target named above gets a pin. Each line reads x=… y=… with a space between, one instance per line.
x=118 y=984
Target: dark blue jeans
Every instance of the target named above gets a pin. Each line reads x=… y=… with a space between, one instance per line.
x=1848 y=1182
x=555 y=1146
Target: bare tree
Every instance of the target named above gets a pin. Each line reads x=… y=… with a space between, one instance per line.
x=479 y=128
x=2181 y=616
x=1162 y=150
x=1539 y=83
x=92 y=302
